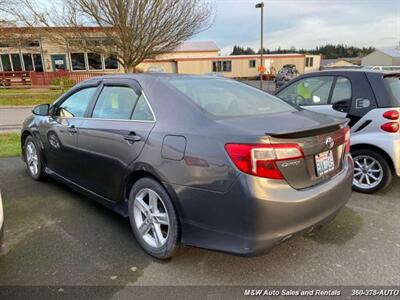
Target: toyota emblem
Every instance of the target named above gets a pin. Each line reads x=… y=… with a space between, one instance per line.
x=329 y=142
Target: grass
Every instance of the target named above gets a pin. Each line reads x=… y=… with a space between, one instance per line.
x=10 y=144
x=18 y=97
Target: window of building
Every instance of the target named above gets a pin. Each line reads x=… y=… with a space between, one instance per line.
x=115 y=102
x=31 y=43
x=6 y=62
x=78 y=61
x=28 y=63
x=111 y=62
x=252 y=63
x=142 y=111
x=76 y=104
x=94 y=61
x=309 y=61
x=222 y=66
x=16 y=62
x=38 y=62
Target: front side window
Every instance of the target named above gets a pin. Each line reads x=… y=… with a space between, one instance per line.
x=78 y=61
x=228 y=98
x=252 y=63
x=115 y=102
x=342 y=90
x=308 y=91
x=94 y=61
x=76 y=104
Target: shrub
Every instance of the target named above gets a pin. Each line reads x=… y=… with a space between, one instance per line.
x=63 y=81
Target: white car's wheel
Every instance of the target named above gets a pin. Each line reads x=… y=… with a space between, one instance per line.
x=371 y=171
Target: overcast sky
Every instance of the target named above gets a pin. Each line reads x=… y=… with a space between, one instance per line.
x=305 y=23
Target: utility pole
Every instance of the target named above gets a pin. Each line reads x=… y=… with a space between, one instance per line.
x=261 y=68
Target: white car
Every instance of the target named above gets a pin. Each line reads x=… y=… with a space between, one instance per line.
x=371 y=101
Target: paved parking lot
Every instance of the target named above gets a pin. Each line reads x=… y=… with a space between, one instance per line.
x=55 y=236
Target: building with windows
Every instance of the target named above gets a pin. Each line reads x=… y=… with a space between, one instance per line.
x=22 y=49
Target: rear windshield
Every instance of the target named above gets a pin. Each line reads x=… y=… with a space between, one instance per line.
x=229 y=98
x=393 y=84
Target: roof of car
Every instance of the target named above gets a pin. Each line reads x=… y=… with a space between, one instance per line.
x=341 y=71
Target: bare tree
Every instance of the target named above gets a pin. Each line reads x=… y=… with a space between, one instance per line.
x=131 y=30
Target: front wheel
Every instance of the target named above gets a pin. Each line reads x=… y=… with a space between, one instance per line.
x=33 y=159
x=372 y=172
x=153 y=218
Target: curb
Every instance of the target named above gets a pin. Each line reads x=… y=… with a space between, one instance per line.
x=15 y=106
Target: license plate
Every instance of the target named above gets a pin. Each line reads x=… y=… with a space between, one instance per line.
x=324 y=162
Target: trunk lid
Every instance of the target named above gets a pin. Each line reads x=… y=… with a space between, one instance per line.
x=321 y=138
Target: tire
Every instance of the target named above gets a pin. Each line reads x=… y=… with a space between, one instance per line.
x=149 y=224
x=36 y=173
x=384 y=177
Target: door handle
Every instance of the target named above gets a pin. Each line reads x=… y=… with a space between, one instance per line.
x=132 y=137
x=72 y=129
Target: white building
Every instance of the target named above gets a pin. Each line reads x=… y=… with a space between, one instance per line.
x=382 y=57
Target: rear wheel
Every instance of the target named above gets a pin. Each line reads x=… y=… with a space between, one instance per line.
x=372 y=172
x=153 y=218
x=33 y=159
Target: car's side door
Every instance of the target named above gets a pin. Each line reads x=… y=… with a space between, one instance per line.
x=113 y=136
x=60 y=130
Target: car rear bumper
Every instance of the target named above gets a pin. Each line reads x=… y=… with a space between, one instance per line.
x=258 y=213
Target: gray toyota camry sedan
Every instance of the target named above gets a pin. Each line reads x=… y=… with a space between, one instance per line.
x=197 y=160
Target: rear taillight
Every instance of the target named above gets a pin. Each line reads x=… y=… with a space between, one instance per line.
x=347 y=140
x=391 y=115
x=260 y=159
x=391 y=127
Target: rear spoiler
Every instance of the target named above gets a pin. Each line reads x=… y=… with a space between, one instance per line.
x=305 y=132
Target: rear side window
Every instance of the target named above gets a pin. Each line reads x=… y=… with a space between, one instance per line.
x=115 y=102
x=142 y=110
x=228 y=98
x=393 y=85
x=76 y=104
x=342 y=90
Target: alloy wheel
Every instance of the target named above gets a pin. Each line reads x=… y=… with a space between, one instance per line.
x=32 y=158
x=368 y=172
x=151 y=218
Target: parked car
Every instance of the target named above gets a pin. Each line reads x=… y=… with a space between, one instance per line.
x=383 y=68
x=202 y=160
x=287 y=73
x=371 y=100
x=1 y=221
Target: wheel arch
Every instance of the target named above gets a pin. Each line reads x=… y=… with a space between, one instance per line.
x=149 y=172
x=24 y=136
x=376 y=149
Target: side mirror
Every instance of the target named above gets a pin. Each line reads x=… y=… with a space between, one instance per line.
x=316 y=99
x=41 y=110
